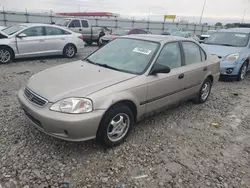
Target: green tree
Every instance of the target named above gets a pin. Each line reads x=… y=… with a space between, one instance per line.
x=218 y=24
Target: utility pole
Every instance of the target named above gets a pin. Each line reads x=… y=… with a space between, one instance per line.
x=243 y=17
x=204 y=4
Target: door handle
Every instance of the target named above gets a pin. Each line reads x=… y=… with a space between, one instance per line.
x=181 y=76
x=205 y=69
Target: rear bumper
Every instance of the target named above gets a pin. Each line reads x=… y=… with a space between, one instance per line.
x=72 y=127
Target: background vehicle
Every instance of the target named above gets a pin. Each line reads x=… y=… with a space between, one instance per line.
x=2 y=27
x=29 y=40
x=165 y=33
x=207 y=34
x=185 y=34
x=232 y=46
x=121 y=32
x=83 y=26
x=118 y=85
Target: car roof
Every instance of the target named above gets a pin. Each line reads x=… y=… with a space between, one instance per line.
x=156 y=38
x=37 y=24
x=239 y=30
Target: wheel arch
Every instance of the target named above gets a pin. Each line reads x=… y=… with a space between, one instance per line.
x=11 y=49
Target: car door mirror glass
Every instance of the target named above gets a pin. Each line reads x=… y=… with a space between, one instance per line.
x=158 y=68
x=21 y=35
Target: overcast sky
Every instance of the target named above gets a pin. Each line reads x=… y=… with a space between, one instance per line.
x=224 y=10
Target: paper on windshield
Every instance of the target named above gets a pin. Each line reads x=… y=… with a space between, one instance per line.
x=142 y=51
x=240 y=35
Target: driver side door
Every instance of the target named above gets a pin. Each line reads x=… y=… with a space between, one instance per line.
x=34 y=42
x=166 y=89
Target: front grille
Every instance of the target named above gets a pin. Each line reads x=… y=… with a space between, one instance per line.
x=34 y=98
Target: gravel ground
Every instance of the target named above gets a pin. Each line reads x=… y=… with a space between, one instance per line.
x=176 y=148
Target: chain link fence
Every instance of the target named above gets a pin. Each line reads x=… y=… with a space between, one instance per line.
x=8 y=18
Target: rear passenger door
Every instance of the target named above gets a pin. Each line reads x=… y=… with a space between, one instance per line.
x=56 y=39
x=86 y=30
x=75 y=25
x=195 y=67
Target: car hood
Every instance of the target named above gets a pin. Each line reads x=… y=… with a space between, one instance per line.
x=222 y=51
x=3 y=35
x=109 y=37
x=77 y=79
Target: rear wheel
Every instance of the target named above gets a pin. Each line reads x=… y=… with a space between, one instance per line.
x=242 y=73
x=115 y=125
x=6 y=55
x=204 y=92
x=89 y=42
x=69 y=51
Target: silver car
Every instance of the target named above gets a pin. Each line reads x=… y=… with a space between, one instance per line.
x=119 y=84
x=30 y=40
x=186 y=34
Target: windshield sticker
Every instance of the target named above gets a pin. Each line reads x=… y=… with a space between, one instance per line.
x=142 y=51
x=240 y=35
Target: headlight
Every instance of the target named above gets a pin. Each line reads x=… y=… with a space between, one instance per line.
x=232 y=57
x=73 y=106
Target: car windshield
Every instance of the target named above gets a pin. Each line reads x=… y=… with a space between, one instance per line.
x=120 y=32
x=228 y=39
x=209 y=32
x=13 y=29
x=63 y=22
x=125 y=55
x=179 y=34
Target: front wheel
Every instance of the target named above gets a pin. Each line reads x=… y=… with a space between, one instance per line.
x=204 y=92
x=115 y=125
x=242 y=72
x=69 y=51
x=6 y=55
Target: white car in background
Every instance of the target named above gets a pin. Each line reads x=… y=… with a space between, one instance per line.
x=2 y=27
x=30 y=40
x=206 y=35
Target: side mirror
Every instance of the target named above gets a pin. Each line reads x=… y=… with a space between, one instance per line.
x=158 y=68
x=21 y=35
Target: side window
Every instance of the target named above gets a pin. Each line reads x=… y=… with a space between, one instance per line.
x=55 y=31
x=85 y=23
x=134 y=31
x=170 y=56
x=203 y=55
x=142 y=31
x=75 y=23
x=34 y=32
x=192 y=52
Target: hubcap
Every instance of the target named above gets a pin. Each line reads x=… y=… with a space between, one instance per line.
x=205 y=90
x=243 y=72
x=4 y=56
x=70 y=51
x=118 y=127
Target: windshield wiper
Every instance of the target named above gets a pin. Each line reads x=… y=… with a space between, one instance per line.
x=226 y=44
x=89 y=61
x=107 y=66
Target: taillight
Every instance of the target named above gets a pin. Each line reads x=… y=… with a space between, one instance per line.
x=80 y=37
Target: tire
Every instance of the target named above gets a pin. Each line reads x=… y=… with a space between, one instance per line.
x=107 y=134
x=89 y=42
x=6 y=55
x=202 y=97
x=242 y=73
x=69 y=51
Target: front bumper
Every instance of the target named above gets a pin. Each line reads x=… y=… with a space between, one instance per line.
x=225 y=68
x=72 y=127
